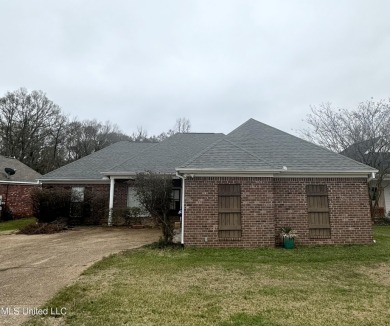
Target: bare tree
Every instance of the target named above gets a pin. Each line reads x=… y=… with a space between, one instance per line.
x=35 y=131
x=182 y=125
x=88 y=136
x=154 y=192
x=27 y=121
x=362 y=134
x=141 y=135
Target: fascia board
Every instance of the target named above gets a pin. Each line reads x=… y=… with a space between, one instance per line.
x=20 y=182
x=224 y=171
x=121 y=173
x=125 y=175
x=74 y=181
x=279 y=173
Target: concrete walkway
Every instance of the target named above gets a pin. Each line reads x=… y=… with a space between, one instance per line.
x=34 y=267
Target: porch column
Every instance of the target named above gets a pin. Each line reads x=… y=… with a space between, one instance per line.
x=182 y=208
x=111 y=202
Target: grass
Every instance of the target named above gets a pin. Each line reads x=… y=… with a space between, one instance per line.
x=328 y=285
x=16 y=224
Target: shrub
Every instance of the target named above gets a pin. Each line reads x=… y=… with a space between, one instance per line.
x=95 y=210
x=119 y=216
x=6 y=214
x=51 y=204
x=134 y=216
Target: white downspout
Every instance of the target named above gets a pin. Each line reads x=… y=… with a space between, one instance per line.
x=182 y=205
x=111 y=202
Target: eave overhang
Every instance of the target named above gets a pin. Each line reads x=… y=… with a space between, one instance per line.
x=127 y=175
x=74 y=181
x=10 y=182
x=280 y=173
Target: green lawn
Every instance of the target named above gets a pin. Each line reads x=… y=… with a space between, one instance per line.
x=328 y=285
x=16 y=224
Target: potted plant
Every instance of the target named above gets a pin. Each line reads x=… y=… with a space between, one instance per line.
x=288 y=235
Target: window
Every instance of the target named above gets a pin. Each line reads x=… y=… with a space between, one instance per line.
x=175 y=203
x=132 y=200
x=77 y=194
x=229 y=211
x=318 y=210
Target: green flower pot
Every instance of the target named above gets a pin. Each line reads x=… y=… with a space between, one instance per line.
x=289 y=243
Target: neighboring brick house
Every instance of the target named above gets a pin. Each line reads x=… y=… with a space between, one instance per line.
x=15 y=189
x=238 y=190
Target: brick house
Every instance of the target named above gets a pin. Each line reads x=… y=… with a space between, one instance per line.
x=237 y=190
x=15 y=189
x=85 y=174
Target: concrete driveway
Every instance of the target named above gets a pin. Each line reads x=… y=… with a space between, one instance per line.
x=34 y=267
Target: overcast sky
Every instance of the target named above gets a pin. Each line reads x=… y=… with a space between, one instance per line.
x=218 y=63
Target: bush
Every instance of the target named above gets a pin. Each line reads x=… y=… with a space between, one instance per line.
x=95 y=210
x=162 y=244
x=6 y=214
x=51 y=204
x=55 y=204
x=119 y=216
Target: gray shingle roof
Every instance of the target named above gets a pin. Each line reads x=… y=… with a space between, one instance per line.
x=252 y=146
x=167 y=155
x=23 y=172
x=226 y=155
x=277 y=149
x=89 y=167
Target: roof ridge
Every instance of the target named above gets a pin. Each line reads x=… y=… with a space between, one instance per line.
x=307 y=143
x=198 y=133
x=131 y=157
x=215 y=144
x=304 y=143
x=250 y=153
x=171 y=142
x=98 y=152
x=201 y=152
x=241 y=125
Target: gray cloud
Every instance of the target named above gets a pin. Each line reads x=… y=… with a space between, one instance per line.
x=145 y=63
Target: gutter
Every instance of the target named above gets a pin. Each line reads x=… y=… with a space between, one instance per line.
x=224 y=171
x=20 y=182
x=183 y=178
x=125 y=174
x=122 y=174
x=284 y=172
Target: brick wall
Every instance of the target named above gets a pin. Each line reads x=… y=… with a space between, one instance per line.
x=270 y=203
x=99 y=190
x=349 y=214
x=257 y=212
x=18 y=199
x=103 y=191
